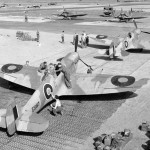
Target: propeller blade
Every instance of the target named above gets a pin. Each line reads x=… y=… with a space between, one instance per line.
x=145 y=32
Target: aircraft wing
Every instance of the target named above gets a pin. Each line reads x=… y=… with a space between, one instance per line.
x=76 y=15
x=103 y=39
x=27 y=76
x=87 y=84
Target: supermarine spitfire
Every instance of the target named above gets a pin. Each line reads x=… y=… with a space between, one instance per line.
x=69 y=15
x=117 y=45
x=124 y=17
x=27 y=119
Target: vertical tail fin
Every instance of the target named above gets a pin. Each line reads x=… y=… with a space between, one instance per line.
x=12 y=114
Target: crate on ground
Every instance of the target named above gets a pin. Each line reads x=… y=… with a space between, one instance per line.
x=24 y=36
x=113 y=141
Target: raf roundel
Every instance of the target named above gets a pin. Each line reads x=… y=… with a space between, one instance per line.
x=48 y=90
x=101 y=36
x=122 y=81
x=11 y=68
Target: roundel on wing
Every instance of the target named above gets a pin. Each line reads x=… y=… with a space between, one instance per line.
x=48 y=90
x=101 y=36
x=11 y=68
x=126 y=44
x=122 y=81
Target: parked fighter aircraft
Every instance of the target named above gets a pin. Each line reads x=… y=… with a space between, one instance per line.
x=3 y=5
x=123 y=17
x=117 y=45
x=26 y=119
x=68 y=15
x=34 y=6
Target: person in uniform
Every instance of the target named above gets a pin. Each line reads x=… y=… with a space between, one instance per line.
x=56 y=107
x=38 y=35
x=62 y=37
x=42 y=66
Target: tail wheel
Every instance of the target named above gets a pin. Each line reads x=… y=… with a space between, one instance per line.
x=11 y=68
x=122 y=81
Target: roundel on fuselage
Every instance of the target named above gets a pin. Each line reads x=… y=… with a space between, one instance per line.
x=47 y=90
x=11 y=68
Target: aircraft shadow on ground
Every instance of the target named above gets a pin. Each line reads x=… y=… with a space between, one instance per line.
x=99 y=97
x=146 y=146
x=20 y=133
x=144 y=51
x=98 y=46
x=107 y=58
x=15 y=87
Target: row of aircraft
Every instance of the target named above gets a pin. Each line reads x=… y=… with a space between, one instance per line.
x=27 y=118
x=108 y=11
x=117 y=45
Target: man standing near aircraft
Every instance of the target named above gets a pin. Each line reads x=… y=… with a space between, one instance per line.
x=62 y=37
x=43 y=66
x=56 y=106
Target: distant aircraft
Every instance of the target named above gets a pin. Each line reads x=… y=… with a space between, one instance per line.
x=68 y=15
x=34 y=6
x=108 y=11
x=123 y=17
x=117 y=45
x=3 y=5
x=27 y=119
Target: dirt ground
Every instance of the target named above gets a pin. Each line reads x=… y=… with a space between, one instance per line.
x=82 y=121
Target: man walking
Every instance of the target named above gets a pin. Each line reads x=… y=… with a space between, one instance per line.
x=62 y=37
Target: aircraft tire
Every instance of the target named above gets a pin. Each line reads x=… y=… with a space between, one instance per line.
x=126 y=81
x=101 y=36
x=11 y=68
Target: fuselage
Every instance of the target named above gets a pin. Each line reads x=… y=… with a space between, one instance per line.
x=52 y=86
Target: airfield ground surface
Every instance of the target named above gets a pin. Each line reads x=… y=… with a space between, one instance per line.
x=84 y=120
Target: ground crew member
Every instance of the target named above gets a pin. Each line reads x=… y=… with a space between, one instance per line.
x=27 y=63
x=87 y=40
x=26 y=18
x=62 y=37
x=38 y=36
x=56 y=107
x=60 y=68
x=74 y=38
x=42 y=66
x=82 y=41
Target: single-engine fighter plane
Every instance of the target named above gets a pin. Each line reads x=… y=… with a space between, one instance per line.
x=3 y=5
x=27 y=119
x=69 y=15
x=34 y=6
x=117 y=45
x=123 y=17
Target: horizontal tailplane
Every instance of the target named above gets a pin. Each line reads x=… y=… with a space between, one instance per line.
x=32 y=122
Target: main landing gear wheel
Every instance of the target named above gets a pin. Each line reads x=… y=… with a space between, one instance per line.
x=122 y=81
x=11 y=68
x=101 y=36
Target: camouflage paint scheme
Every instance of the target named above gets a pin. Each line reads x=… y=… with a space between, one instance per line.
x=121 y=44
x=28 y=77
x=27 y=119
